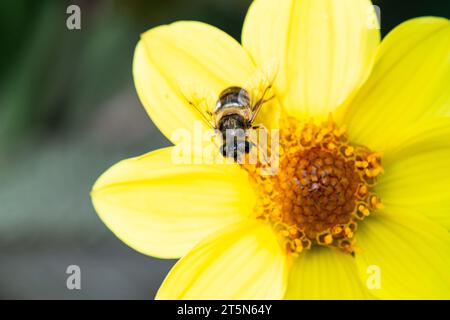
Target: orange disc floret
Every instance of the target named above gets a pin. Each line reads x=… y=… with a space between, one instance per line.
x=322 y=188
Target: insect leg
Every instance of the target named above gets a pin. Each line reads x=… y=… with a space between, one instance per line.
x=258 y=106
x=203 y=116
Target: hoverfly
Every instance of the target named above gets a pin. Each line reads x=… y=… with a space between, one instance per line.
x=234 y=114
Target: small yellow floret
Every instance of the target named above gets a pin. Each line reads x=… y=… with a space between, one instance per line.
x=322 y=188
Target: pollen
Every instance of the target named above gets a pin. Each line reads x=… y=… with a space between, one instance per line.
x=323 y=187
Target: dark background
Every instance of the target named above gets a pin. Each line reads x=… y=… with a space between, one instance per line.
x=68 y=111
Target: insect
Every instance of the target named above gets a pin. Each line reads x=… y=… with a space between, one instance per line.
x=234 y=114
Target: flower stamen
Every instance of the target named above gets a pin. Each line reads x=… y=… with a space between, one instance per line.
x=323 y=187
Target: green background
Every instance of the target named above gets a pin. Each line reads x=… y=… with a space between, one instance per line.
x=68 y=111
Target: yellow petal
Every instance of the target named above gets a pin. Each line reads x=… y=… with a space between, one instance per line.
x=410 y=253
x=164 y=209
x=409 y=83
x=182 y=62
x=324 y=49
x=325 y=273
x=425 y=136
x=244 y=261
x=418 y=178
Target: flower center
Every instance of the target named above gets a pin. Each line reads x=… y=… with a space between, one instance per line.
x=322 y=189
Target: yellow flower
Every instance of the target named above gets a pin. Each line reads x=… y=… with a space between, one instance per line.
x=360 y=122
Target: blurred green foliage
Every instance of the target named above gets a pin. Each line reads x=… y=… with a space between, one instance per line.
x=53 y=74
x=52 y=78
